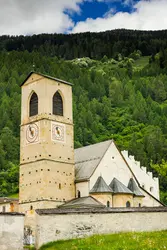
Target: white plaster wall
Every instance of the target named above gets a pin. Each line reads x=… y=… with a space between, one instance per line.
x=148 y=201
x=145 y=178
x=11 y=232
x=58 y=227
x=83 y=187
x=112 y=165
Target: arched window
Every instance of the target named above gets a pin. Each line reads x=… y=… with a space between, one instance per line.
x=33 y=105
x=78 y=194
x=108 y=204
x=57 y=104
x=127 y=204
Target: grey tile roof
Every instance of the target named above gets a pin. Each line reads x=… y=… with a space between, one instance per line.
x=87 y=159
x=134 y=188
x=119 y=187
x=83 y=202
x=101 y=187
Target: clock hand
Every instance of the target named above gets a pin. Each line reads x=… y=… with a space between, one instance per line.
x=57 y=129
x=31 y=131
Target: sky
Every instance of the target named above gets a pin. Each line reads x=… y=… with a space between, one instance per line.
x=27 y=17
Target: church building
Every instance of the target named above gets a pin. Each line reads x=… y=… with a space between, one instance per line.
x=53 y=174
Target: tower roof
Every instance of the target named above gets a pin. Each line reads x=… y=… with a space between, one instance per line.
x=134 y=188
x=101 y=186
x=119 y=187
x=49 y=77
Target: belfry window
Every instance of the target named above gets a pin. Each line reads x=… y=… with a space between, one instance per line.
x=33 y=105
x=57 y=104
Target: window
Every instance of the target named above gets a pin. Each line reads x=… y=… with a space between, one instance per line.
x=127 y=204
x=59 y=185
x=108 y=204
x=3 y=209
x=31 y=207
x=78 y=194
x=151 y=189
x=33 y=105
x=57 y=104
x=139 y=204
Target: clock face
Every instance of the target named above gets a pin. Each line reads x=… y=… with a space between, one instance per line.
x=58 y=132
x=32 y=133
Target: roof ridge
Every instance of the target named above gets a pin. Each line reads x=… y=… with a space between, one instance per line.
x=47 y=76
x=93 y=144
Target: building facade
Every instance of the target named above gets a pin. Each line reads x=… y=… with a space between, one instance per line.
x=46 y=147
x=50 y=173
x=9 y=205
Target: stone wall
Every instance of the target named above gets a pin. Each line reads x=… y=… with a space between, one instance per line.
x=11 y=231
x=56 y=224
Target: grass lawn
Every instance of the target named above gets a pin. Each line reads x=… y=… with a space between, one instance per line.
x=14 y=196
x=142 y=62
x=124 y=241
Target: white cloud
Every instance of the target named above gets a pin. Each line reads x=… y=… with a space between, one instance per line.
x=148 y=15
x=36 y=16
x=47 y=16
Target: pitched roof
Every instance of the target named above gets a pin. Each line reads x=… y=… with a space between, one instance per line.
x=83 y=202
x=134 y=188
x=88 y=158
x=119 y=187
x=101 y=187
x=49 y=77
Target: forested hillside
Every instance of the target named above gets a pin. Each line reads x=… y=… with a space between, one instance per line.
x=93 y=45
x=119 y=95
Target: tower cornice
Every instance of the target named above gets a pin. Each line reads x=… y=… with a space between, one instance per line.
x=45 y=118
x=47 y=159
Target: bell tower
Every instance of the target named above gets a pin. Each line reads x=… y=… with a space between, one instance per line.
x=46 y=143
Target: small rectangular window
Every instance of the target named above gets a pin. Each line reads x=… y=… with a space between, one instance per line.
x=4 y=209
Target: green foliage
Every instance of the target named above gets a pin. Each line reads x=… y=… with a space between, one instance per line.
x=161 y=169
x=135 y=55
x=130 y=241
